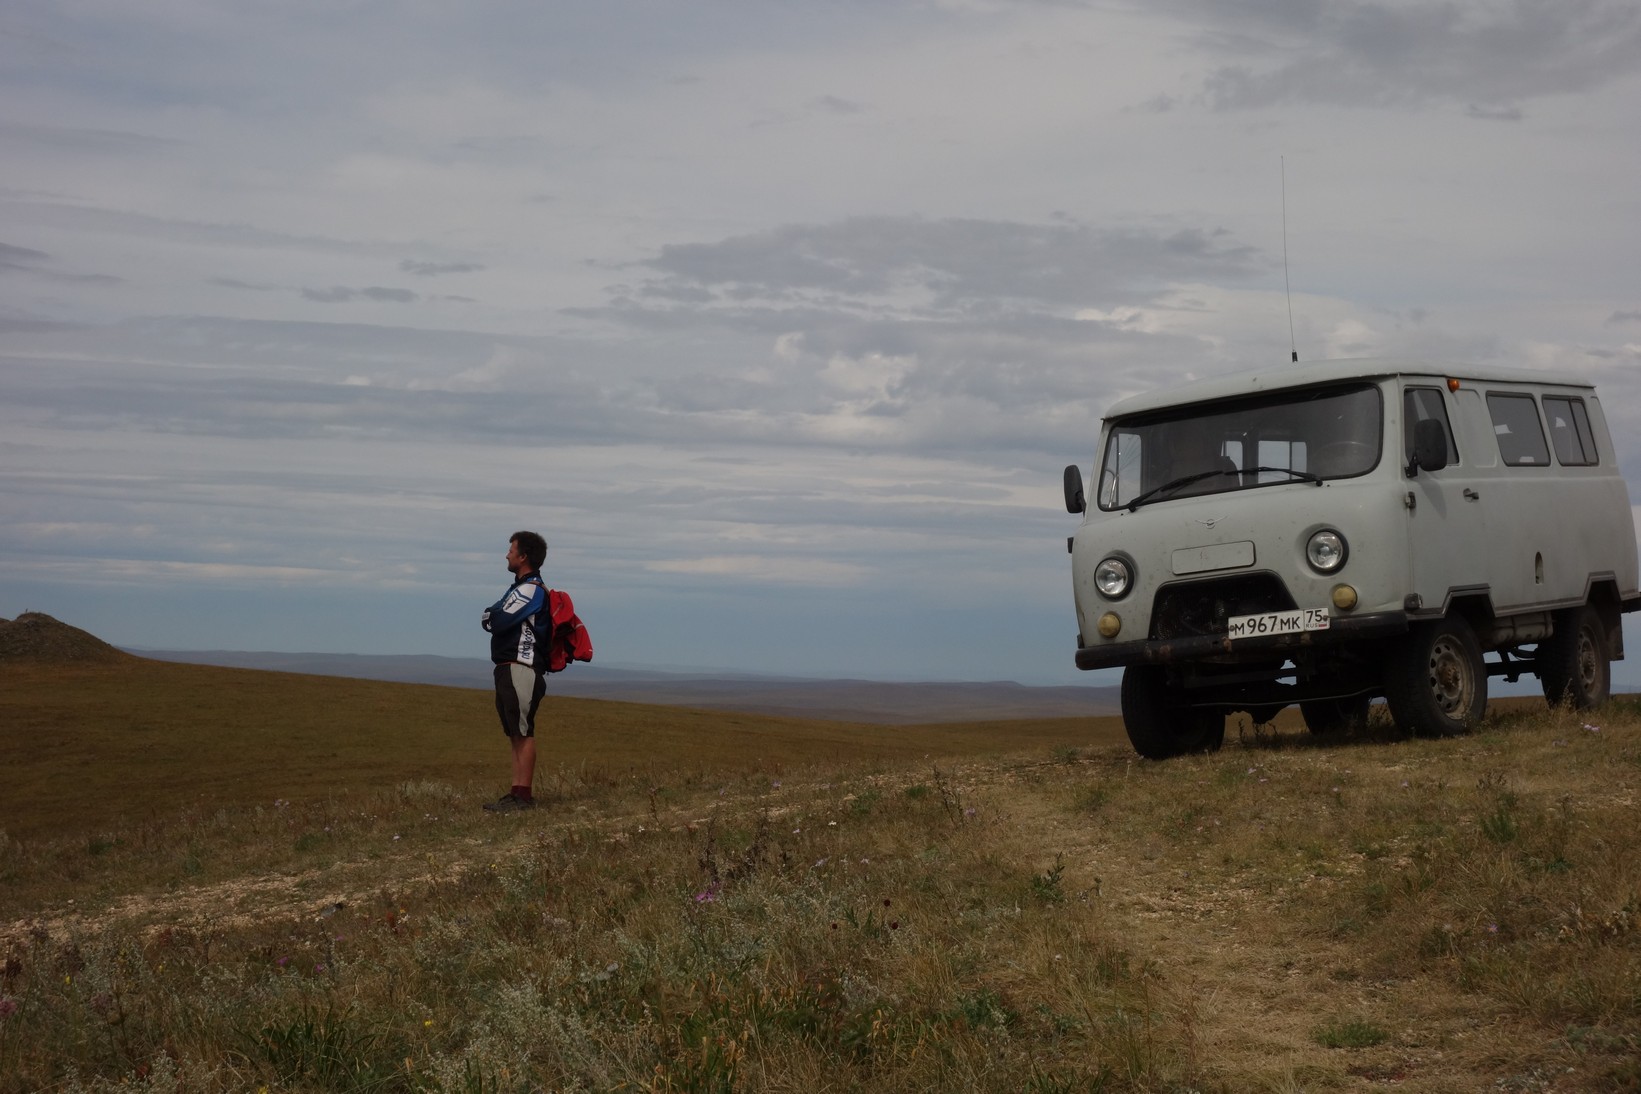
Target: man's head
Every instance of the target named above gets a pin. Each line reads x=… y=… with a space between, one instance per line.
x=526 y=551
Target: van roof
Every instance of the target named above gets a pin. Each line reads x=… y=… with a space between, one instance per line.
x=1307 y=374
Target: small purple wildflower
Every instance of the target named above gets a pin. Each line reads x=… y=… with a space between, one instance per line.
x=8 y=1007
x=707 y=896
x=1592 y=729
x=283 y=961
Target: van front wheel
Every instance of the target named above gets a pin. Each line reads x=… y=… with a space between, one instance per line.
x=1436 y=684
x=1159 y=725
x=1574 y=665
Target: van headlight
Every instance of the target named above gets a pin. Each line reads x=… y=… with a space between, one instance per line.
x=1113 y=578
x=1326 y=551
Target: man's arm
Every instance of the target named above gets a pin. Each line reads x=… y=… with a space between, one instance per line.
x=512 y=609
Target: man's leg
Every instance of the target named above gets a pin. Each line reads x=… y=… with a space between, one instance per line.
x=531 y=686
x=524 y=762
x=518 y=693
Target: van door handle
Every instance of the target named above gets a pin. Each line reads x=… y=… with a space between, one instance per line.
x=1471 y=495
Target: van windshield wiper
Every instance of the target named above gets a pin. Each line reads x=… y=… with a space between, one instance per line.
x=1176 y=484
x=1186 y=480
x=1303 y=476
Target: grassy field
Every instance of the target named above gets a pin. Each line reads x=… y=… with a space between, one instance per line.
x=225 y=880
x=108 y=745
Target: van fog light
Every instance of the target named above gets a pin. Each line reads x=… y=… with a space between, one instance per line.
x=1110 y=625
x=1326 y=551
x=1344 y=597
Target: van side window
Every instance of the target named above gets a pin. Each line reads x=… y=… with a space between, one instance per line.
x=1421 y=404
x=1570 y=431
x=1516 y=425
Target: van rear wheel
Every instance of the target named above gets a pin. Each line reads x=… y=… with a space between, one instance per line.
x=1573 y=663
x=1159 y=725
x=1436 y=683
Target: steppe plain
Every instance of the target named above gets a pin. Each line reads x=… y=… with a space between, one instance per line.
x=221 y=879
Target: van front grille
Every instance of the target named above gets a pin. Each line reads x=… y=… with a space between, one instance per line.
x=1191 y=609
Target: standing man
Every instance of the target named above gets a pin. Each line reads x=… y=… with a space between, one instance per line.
x=520 y=629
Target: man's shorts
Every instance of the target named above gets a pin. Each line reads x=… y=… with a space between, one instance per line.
x=519 y=689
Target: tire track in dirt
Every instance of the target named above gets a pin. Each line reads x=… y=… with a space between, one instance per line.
x=241 y=902
x=1256 y=979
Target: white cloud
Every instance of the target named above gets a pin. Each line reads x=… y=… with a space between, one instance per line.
x=763 y=570
x=870 y=378
x=106 y=571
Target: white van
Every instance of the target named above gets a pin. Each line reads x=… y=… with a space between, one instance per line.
x=1325 y=534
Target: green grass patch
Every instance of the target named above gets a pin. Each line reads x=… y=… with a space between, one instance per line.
x=1349 y=1033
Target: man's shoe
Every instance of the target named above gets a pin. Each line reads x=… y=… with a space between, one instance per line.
x=507 y=803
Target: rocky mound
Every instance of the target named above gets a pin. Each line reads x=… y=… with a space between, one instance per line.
x=35 y=636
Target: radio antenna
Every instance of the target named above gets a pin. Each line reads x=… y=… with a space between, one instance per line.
x=1293 y=344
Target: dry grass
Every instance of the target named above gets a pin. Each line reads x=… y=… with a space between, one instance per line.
x=86 y=746
x=728 y=911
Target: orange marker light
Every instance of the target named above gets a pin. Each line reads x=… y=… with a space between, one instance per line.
x=1452 y=384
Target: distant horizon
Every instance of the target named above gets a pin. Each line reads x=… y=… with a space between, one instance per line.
x=1105 y=679
x=852 y=699
x=715 y=672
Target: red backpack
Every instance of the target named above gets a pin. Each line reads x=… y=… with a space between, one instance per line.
x=570 y=640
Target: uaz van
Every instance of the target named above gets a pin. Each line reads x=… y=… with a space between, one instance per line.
x=1326 y=534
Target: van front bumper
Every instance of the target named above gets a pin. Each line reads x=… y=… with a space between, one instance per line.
x=1340 y=632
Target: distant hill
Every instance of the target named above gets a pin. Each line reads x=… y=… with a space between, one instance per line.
x=35 y=636
x=831 y=700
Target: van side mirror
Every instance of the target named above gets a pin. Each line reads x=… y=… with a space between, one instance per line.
x=1075 y=503
x=1429 y=447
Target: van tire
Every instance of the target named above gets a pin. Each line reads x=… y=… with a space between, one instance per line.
x=1159 y=725
x=1436 y=682
x=1335 y=715
x=1574 y=664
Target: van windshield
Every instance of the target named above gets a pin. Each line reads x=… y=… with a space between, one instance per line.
x=1300 y=435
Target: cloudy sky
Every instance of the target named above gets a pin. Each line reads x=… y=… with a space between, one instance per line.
x=779 y=319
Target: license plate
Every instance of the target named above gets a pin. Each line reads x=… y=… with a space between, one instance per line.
x=1269 y=623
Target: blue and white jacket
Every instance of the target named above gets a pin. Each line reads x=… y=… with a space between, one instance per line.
x=519 y=625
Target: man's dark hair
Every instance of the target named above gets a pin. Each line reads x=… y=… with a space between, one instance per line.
x=532 y=546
